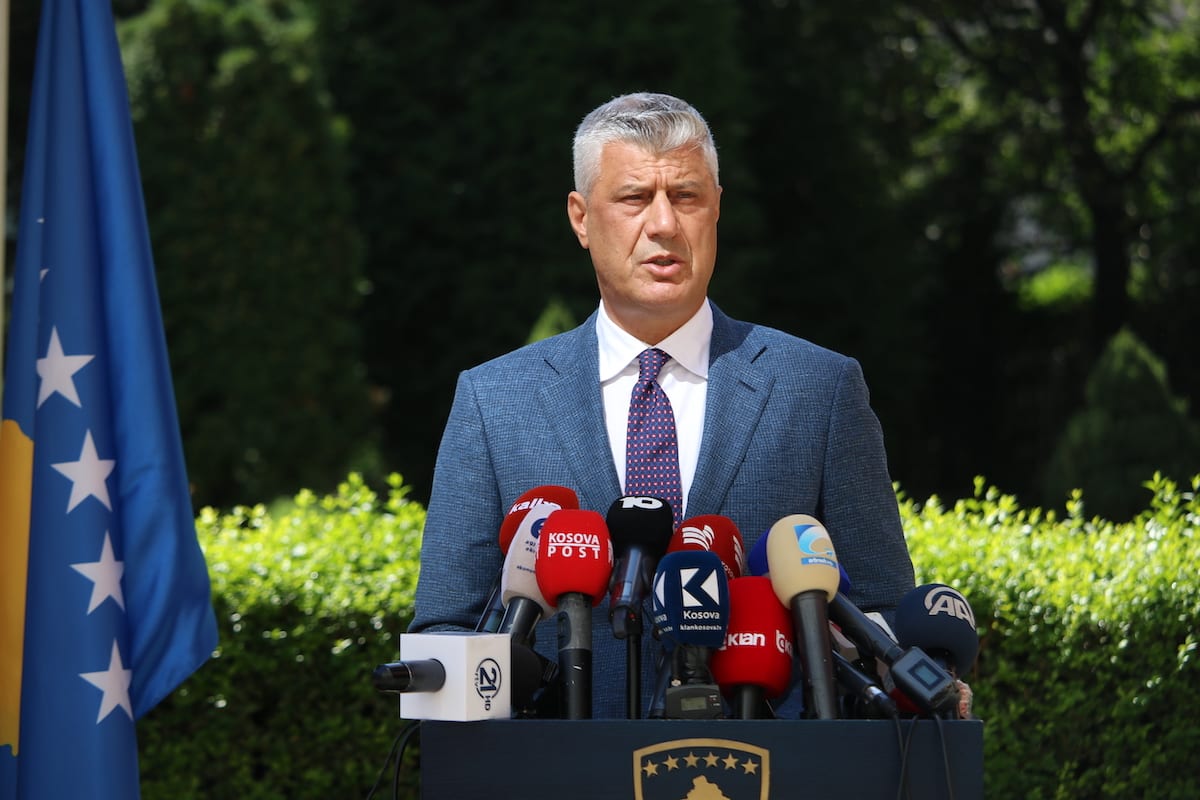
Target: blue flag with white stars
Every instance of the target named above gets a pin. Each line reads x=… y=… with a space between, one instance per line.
x=105 y=605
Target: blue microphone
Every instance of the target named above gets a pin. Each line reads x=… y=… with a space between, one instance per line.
x=690 y=609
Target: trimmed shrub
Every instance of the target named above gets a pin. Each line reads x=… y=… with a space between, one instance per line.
x=1089 y=654
x=1131 y=424
x=309 y=599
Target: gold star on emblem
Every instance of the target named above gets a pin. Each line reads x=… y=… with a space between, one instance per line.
x=730 y=761
x=692 y=759
x=750 y=767
x=672 y=763
x=711 y=759
x=650 y=768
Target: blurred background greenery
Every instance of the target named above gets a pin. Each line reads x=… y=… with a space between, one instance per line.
x=350 y=202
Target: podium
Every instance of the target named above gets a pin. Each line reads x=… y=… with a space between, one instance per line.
x=700 y=759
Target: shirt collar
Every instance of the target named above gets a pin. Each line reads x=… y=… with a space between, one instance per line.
x=688 y=345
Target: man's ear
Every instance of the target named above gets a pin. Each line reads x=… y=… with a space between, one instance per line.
x=577 y=214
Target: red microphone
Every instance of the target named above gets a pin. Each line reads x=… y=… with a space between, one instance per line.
x=573 y=567
x=559 y=496
x=715 y=534
x=755 y=663
x=492 y=617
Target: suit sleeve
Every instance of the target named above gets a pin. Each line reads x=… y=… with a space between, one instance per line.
x=460 y=553
x=858 y=501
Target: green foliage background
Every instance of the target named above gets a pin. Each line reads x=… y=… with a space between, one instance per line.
x=351 y=202
x=1089 y=654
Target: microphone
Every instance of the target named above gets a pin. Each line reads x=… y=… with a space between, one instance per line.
x=574 y=563
x=939 y=620
x=804 y=574
x=523 y=602
x=755 y=662
x=914 y=673
x=756 y=564
x=452 y=675
x=560 y=497
x=716 y=534
x=691 y=614
x=640 y=528
x=866 y=691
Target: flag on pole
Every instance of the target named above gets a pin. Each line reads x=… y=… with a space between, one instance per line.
x=104 y=592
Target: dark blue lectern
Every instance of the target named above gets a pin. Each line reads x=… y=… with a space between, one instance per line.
x=701 y=759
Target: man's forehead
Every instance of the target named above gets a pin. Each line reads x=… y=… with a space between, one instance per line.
x=626 y=162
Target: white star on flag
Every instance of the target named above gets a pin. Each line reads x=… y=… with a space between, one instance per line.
x=87 y=475
x=114 y=682
x=105 y=576
x=57 y=370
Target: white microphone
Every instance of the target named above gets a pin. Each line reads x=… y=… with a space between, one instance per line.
x=451 y=675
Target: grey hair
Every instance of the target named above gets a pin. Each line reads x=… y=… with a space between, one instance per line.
x=658 y=123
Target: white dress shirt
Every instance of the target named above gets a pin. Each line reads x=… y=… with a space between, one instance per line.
x=684 y=379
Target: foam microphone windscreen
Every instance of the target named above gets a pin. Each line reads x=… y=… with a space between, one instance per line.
x=518 y=578
x=756 y=559
x=716 y=534
x=691 y=598
x=575 y=555
x=557 y=496
x=800 y=558
x=644 y=522
x=756 y=564
x=758 y=640
x=938 y=619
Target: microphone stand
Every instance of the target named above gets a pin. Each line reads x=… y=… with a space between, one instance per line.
x=627 y=625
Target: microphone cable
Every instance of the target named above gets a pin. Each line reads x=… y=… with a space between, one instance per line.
x=905 y=743
x=399 y=745
x=937 y=719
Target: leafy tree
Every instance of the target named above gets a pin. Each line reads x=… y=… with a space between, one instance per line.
x=461 y=117
x=1088 y=99
x=258 y=259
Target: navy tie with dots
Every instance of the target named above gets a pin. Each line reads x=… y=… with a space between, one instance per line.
x=652 y=449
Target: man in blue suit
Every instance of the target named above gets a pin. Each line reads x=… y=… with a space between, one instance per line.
x=767 y=424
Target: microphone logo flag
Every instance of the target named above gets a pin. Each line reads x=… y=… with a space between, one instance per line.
x=815 y=547
x=488 y=677
x=700 y=588
x=944 y=600
x=702 y=768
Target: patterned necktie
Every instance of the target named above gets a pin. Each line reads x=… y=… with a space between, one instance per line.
x=651 y=449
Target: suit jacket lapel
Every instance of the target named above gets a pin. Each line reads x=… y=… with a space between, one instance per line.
x=737 y=395
x=576 y=412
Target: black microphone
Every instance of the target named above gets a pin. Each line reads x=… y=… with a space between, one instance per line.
x=640 y=529
x=421 y=675
x=914 y=673
x=865 y=690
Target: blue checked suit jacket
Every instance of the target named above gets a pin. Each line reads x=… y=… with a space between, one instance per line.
x=788 y=430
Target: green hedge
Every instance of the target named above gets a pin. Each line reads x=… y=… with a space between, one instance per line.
x=1088 y=663
x=309 y=599
x=1086 y=673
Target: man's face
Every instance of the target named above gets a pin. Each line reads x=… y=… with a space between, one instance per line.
x=650 y=224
